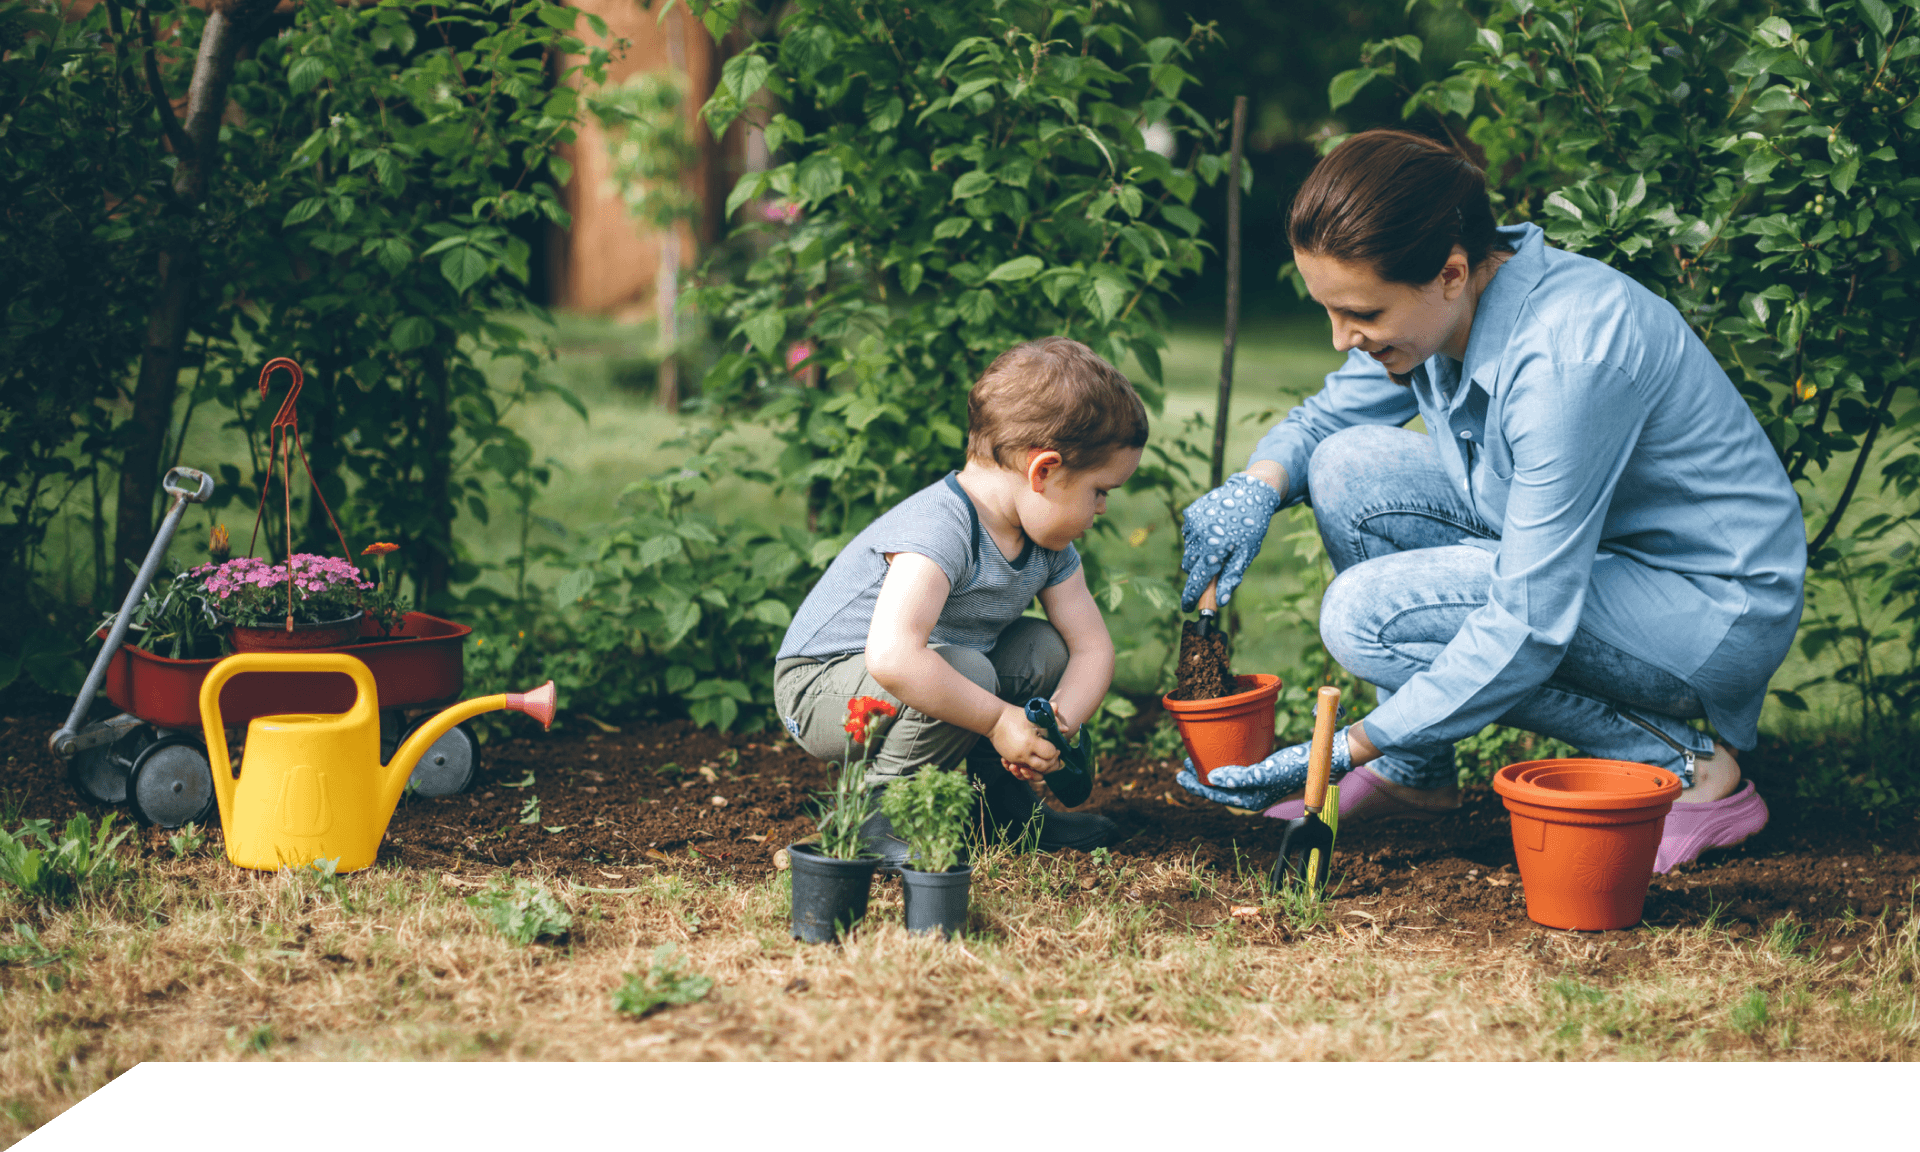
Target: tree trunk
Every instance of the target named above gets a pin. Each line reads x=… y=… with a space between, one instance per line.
x=196 y=144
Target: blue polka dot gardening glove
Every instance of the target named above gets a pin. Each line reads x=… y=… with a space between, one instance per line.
x=1224 y=530
x=1262 y=785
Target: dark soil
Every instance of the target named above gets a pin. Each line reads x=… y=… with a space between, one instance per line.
x=1206 y=667
x=611 y=803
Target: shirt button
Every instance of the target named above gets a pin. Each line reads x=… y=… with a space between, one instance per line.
x=1464 y=435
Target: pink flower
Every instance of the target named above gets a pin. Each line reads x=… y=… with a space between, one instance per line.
x=779 y=211
x=798 y=354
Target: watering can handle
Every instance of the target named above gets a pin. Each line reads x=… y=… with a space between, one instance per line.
x=214 y=728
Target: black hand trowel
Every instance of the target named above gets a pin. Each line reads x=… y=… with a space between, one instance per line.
x=1072 y=782
x=1306 y=846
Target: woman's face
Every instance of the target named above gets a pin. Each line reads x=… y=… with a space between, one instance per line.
x=1399 y=325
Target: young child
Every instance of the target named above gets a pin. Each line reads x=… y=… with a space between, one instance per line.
x=924 y=607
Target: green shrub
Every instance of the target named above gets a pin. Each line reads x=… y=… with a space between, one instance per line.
x=952 y=178
x=666 y=983
x=668 y=609
x=929 y=811
x=44 y=865
x=523 y=912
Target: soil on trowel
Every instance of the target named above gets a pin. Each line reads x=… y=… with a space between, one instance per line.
x=1206 y=668
x=603 y=808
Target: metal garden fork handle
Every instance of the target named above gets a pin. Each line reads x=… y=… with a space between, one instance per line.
x=64 y=741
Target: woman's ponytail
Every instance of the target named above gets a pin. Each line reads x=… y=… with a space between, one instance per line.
x=1396 y=202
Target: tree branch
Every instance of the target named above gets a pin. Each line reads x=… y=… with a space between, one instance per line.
x=176 y=136
x=1853 y=477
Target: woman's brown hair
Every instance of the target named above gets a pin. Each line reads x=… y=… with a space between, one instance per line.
x=1397 y=202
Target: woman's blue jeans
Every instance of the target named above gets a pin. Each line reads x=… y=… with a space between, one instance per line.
x=1413 y=561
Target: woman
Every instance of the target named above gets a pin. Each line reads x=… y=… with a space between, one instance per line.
x=1594 y=541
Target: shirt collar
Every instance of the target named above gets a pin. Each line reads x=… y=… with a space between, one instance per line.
x=1499 y=306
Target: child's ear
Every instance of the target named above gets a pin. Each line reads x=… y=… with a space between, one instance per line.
x=1041 y=463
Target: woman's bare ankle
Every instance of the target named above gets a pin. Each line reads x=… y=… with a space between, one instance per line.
x=1715 y=777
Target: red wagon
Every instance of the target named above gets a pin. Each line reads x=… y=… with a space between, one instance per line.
x=152 y=756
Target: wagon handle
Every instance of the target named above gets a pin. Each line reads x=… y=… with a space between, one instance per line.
x=65 y=738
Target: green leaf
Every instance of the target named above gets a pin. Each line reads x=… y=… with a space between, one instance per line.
x=972 y=184
x=681 y=620
x=304 y=73
x=1877 y=14
x=766 y=330
x=820 y=176
x=304 y=211
x=772 y=612
x=951 y=228
x=573 y=586
x=1348 y=84
x=463 y=267
x=1844 y=173
x=411 y=332
x=744 y=190
x=660 y=549
x=1019 y=268
x=558 y=16
x=745 y=74
x=1183 y=218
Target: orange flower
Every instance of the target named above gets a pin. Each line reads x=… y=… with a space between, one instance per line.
x=863 y=712
x=379 y=549
x=219 y=545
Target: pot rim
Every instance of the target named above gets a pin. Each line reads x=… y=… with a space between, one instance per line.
x=956 y=870
x=812 y=852
x=1263 y=684
x=339 y=623
x=1515 y=782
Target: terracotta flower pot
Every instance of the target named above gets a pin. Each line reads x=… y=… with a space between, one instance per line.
x=1586 y=833
x=276 y=638
x=1236 y=729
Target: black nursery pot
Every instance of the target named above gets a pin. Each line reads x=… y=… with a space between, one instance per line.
x=829 y=895
x=937 y=901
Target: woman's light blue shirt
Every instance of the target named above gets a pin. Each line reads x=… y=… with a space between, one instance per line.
x=1634 y=494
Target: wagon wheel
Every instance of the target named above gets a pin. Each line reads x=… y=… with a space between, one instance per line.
x=445 y=768
x=101 y=771
x=172 y=783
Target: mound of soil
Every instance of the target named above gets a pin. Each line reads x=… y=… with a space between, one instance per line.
x=1205 y=670
x=600 y=805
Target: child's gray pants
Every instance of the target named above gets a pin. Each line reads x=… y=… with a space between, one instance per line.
x=812 y=697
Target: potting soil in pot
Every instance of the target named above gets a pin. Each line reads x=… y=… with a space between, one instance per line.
x=1206 y=670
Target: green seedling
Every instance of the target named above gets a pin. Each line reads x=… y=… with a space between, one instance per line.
x=665 y=984
x=843 y=809
x=188 y=841
x=929 y=811
x=45 y=866
x=530 y=811
x=523 y=912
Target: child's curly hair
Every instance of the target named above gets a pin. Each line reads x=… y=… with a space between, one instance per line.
x=1053 y=393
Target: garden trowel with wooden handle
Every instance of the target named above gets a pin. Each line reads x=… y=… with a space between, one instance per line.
x=1306 y=847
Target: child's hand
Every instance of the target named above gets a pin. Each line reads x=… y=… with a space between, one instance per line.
x=1024 y=749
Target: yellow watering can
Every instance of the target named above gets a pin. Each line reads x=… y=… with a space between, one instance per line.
x=312 y=787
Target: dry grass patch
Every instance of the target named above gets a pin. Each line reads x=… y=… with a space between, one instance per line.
x=190 y=959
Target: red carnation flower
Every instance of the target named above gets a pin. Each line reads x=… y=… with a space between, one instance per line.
x=863 y=712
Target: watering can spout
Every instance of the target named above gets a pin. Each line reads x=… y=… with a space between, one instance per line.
x=538 y=704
